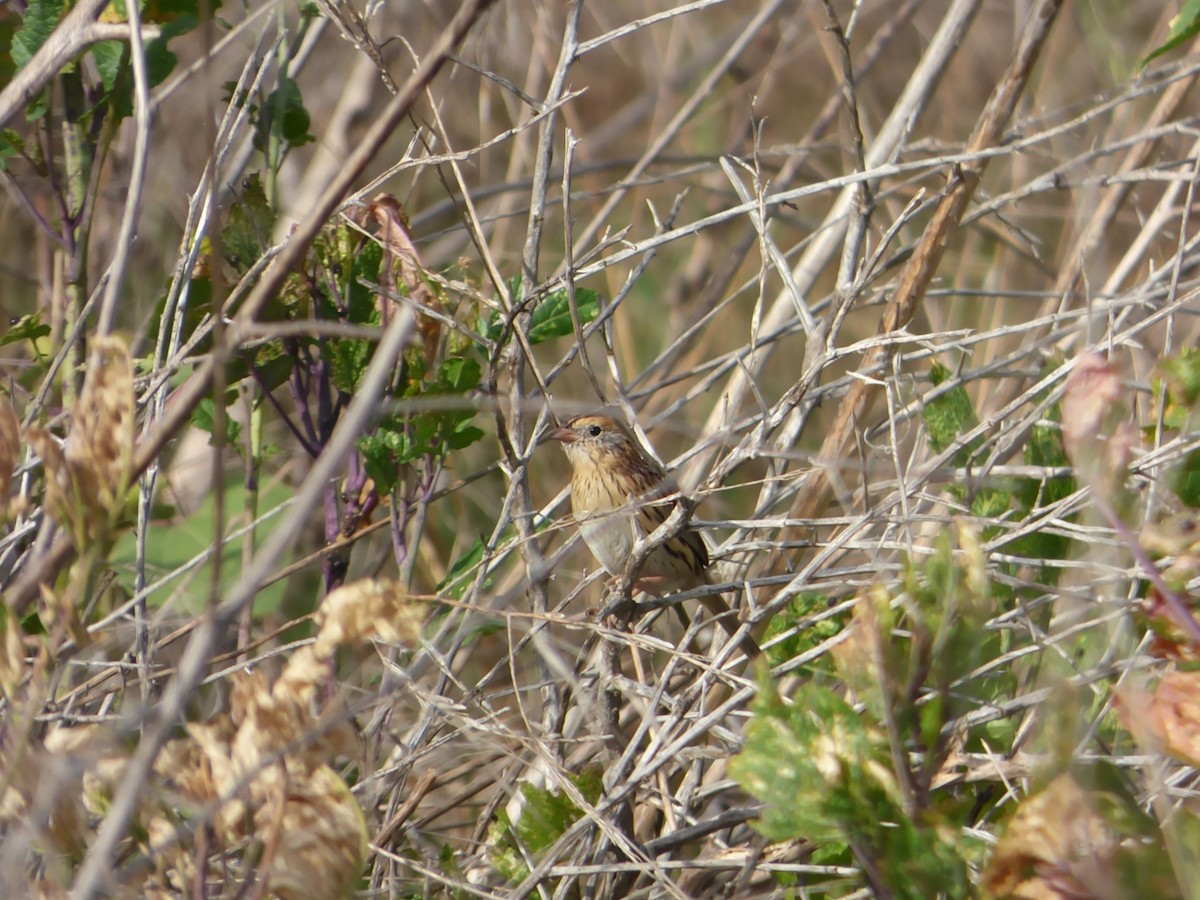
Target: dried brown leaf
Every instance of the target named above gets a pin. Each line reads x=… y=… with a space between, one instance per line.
x=1096 y=441
x=857 y=657
x=1169 y=719
x=1056 y=847
x=404 y=264
x=10 y=444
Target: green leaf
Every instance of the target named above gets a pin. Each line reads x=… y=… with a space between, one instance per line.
x=41 y=18
x=991 y=503
x=283 y=112
x=205 y=419
x=552 y=317
x=247 y=231
x=1184 y=27
x=348 y=362
x=546 y=816
x=948 y=416
x=807 y=634
x=11 y=144
x=378 y=452
x=797 y=757
x=1182 y=374
x=459 y=375
x=824 y=772
x=108 y=56
x=26 y=328
x=160 y=61
x=1186 y=480
x=456 y=581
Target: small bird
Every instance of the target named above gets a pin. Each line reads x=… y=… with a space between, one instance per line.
x=618 y=496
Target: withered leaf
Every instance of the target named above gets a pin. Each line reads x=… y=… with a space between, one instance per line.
x=1056 y=846
x=10 y=443
x=1097 y=443
x=403 y=264
x=1170 y=718
x=322 y=836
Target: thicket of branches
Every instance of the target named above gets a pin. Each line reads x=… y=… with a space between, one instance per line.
x=902 y=290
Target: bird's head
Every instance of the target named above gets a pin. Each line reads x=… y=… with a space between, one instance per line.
x=596 y=440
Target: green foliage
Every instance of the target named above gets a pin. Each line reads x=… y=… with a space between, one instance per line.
x=173 y=17
x=204 y=418
x=41 y=17
x=1179 y=391
x=1182 y=375
x=801 y=615
x=827 y=771
x=991 y=503
x=1044 y=448
x=11 y=144
x=346 y=263
x=283 y=112
x=1184 y=27
x=27 y=328
x=280 y=115
x=551 y=318
x=461 y=573
x=399 y=440
x=247 y=230
x=545 y=817
x=109 y=57
x=160 y=61
x=1186 y=480
x=170 y=545
x=948 y=416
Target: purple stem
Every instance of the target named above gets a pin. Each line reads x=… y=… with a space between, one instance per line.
x=332 y=567
x=1177 y=610
x=270 y=395
x=300 y=395
x=399 y=513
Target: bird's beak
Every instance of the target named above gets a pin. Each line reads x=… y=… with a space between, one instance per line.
x=563 y=434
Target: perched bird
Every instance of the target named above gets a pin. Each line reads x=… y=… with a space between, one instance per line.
x=618 y=495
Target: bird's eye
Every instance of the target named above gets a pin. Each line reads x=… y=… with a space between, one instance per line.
x=594 y=430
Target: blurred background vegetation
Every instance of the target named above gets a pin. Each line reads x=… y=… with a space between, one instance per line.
x=903 y=291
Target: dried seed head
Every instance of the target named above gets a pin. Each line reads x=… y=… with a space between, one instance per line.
x=100 y=445
x=10 y=443
x=86 y=480
x=367 y=609
x=60 y=486
x=322 y=838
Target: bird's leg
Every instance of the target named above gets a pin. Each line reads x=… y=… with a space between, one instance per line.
x=616 y=606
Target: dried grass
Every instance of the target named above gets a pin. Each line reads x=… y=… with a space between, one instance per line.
x=782 y=253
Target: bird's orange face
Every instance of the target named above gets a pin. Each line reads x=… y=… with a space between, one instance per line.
x=594 y=440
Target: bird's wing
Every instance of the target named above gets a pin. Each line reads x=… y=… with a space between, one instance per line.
x=652 y=512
